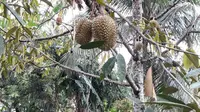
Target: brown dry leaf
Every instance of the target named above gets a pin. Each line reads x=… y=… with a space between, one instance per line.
x=148 y=85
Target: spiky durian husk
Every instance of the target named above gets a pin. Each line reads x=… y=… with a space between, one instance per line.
x=104 y=29
x=83 y=31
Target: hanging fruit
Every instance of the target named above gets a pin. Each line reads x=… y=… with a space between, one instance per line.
x=104 y=29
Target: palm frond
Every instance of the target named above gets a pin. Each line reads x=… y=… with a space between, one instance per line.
x=123 y=5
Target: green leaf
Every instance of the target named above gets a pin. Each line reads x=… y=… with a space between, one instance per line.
x=31 y=24
x=21 y=65
x=27 y=8
x=121 y=67
x=34 y=3
x=156 y=38
x=5 y=12
x=17 y=35
x=9 y=59
x=4 y=68
x=2 y=45
x=11 y=31
x=190 y=60
x=28 y=31
x=79 y=84
x=109 y=65
x=112 y=15
x=193 y=106
x=194 y=59
x=57 y=8
x=80 y=67
x=169 y=90
x=92 y=45
x=17 y=10
x=167 y=108
x=109 y=1
x=170 y=98
x=168 y=64
x=92 y=88
x=182 y=74
x=101 y=2
x=195 y=85
x=149 y=110
x=163 y=37
x=47 y=2
x=192 y=73
x=186 y=62
x=19 y=19
x=102 y=76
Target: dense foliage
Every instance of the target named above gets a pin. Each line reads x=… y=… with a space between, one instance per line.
x=42 y=68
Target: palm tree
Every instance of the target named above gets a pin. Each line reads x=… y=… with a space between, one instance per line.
x=177 y=19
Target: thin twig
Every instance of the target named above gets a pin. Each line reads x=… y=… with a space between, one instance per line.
x=126 y=45
x=179 y=50
x=132 y=84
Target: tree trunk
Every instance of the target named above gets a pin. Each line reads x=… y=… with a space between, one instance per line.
x=137 y=65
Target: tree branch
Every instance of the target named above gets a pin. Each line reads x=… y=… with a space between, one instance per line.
x=83 y=73
x=179 y=50
x=41 y=39
x=132 y=84
x=48 y=38
x=126 y=45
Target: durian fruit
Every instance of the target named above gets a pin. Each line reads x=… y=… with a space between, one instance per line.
x=104 y=29
x=83 y=30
